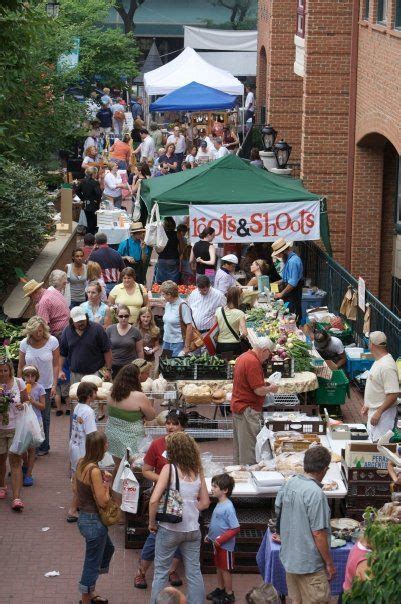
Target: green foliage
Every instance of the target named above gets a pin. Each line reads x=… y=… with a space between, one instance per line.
x=384 y=584
x=24 y=217
x=37 y=118
x=239 y=10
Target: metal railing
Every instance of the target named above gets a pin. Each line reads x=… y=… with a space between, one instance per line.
x=332 y=278
x=396 y=296
x=253 y=138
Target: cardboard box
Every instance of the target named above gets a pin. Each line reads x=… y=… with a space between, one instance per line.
x=366 y=455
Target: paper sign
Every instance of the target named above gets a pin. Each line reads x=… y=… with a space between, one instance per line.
x=274 y=288
x=361 y=293
x=295 y=221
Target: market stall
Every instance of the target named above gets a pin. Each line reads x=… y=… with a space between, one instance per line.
x=243 y=203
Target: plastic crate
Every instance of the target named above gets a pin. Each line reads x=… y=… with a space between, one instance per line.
x=356 y=366
x=311 y=300
x=176 y=373
x=333 y=391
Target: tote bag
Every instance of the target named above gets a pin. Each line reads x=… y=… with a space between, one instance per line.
x=155 y=235
x=170 y=505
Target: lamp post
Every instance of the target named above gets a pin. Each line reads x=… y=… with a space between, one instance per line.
x=268 y=137
x=53 y=9
x=282 y=152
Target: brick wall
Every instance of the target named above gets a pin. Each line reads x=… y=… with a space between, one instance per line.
x=390 y=160
x=283 y=89
x=325 y=109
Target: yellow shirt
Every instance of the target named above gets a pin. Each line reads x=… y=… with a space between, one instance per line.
x=234 y=316
x=133 y=301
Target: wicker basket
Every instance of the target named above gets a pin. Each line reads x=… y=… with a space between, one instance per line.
x=198 y=400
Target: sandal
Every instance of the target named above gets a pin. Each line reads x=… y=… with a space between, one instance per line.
x=70 y=518
x=140 y=580
x=3 y=492
x=174 y=579
x=17 y=505
x=100 y=600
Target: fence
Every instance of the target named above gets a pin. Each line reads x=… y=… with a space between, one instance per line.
x=331 y=277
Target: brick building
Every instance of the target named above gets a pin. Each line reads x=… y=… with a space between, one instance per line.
x=328 y=80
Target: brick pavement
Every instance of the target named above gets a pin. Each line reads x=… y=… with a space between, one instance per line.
x=27 y=553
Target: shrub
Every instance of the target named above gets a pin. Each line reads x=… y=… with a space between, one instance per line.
x=25 y=218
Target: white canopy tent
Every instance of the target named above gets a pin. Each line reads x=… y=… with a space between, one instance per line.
x=186 y=68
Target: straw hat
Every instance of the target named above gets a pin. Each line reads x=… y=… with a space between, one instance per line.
x=31 y=287
x=137 y=227
x=280 y=245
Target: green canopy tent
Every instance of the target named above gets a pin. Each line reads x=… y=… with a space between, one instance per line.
x=227 y=181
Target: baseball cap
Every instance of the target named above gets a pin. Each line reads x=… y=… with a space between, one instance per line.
x=378 y=338
x=203 y=144
x=232 y=258
x=77 y=314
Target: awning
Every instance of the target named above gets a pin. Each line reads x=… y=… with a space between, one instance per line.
x=194 y=97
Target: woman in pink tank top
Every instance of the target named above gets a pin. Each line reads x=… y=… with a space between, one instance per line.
x=356 y=563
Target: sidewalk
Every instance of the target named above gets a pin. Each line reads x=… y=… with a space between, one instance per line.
x=27 y=553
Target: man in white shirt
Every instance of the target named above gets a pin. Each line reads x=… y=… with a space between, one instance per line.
x=177 y=139
x=204 y=301
x=224 y=278
x=146 y=148
x=382 y=388
x=249 y=103
x=219 y=150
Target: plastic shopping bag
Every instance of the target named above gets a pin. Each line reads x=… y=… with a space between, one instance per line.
x=28 y=432
x=155 y=235
x=130 y=490
x=118 y=483
x=262 y=447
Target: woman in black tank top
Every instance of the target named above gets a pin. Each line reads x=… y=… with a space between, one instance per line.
x=203 y=254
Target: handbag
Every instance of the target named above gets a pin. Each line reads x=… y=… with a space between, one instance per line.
x=243 y=342
x=171 y=505
x=110 y=514
x=82 y=223
x=210 y=339
x=155 y=235
x=197 y=339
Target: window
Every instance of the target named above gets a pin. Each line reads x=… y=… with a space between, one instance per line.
x=365 y=10
x=397 y=18
x=382 y=11
x=301 y=18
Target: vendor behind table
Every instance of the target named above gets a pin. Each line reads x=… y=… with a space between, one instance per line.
x=293 y=276
x=330 y=348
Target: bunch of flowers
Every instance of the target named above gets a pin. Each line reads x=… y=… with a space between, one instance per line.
x=6 y=399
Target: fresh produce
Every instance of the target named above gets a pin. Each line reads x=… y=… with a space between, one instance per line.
x=155 y=288
x=191 y=359
x=256 y=315
x=299 y=351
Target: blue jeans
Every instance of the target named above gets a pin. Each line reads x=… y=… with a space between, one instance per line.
x=148 y=550
x=45 y=446
x=166 y=545
x=175 y=347
x=99 y=550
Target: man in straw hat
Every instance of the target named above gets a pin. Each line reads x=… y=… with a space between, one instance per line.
x=293 y=272
x=248 y=396
x=382 y=388
x=50 y=303
x=134 y=251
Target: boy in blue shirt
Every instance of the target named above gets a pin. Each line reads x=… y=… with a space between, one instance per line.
x=223 y=527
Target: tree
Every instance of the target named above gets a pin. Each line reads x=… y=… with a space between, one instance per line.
x=127 y=15
x=238 y=8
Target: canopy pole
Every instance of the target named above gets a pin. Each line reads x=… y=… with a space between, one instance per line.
x=243 y=117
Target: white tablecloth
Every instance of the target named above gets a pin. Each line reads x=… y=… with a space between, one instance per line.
x=115 y=235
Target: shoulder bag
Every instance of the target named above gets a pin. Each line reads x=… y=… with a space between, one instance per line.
x=171 y=504
x=110 y=514
x=243 y=342
x=197 y=339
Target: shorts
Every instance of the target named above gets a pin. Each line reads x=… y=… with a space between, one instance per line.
x=6 y=438
x=311 y=588
x=63 y=389
x=223 y=559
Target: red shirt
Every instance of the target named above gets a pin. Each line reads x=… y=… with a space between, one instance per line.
x=154 y=456
x=248 y=375
x=53 y=309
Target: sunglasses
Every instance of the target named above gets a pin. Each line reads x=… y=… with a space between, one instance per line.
x=123 y=316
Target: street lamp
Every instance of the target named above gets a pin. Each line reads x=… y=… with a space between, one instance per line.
x=282 y=152
x=53 y=9
x=268 y=137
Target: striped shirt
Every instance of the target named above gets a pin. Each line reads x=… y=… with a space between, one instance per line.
x=204 y=307
x=224 y=280
x=53 y=309
x=110 y=261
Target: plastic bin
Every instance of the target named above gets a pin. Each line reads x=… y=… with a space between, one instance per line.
x=333 y=391
x=312 y=300
x=355 y=365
